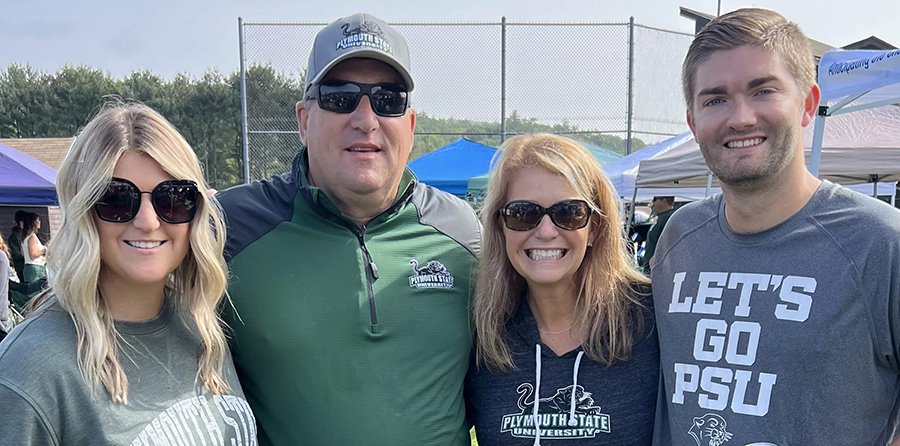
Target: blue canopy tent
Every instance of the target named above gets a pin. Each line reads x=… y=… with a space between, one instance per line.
x=450 y=167
x=24 y=180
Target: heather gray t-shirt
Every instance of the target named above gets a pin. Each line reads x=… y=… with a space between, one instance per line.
x=788 y=336
x=45 y=401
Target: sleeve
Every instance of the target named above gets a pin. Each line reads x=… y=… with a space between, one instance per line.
x=21 y=423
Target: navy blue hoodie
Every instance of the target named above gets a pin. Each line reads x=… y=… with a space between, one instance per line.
x=614 y=405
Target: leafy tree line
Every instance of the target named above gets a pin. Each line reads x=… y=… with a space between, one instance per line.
x=207 y=111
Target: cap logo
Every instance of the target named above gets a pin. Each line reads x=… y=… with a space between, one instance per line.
x=367 y=34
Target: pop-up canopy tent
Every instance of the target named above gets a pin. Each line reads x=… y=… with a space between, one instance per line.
x=478 y=184
x=623 y=172
x=25 y=180
x=864 y=78
x=861 y=147
x=450 y=167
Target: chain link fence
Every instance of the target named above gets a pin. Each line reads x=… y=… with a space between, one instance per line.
x=486 y=82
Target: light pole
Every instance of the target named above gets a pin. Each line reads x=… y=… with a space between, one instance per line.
x=719 y=8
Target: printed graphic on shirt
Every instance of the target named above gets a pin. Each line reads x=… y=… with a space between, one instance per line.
x=433 y=275
x=553 y=415
x=719 y=376
x=199 y=420
x=709 y=430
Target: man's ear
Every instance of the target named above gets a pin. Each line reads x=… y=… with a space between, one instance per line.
x=412 y=126
x=302 y=120
x=811 y=105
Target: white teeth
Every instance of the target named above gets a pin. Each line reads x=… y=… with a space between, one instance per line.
x=144 y=245
x=545 y=254
x=744 y=143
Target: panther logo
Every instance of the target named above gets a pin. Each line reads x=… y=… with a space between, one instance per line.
x=432 y=267
x=709 y=428
x=559 y=402
x=363 y=28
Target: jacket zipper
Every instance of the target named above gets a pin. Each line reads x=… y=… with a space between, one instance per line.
x=371 y=276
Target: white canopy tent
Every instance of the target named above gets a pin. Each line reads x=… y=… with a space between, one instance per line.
x=858 y=148
x=853 y=80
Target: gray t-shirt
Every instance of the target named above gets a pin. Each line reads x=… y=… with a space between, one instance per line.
x=787 y=336
x=45 y=400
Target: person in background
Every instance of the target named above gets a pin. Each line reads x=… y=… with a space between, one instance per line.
x=15 y=245
x=663 y=207
x=6 y=272
x=565 y=340
x=33 y=251
x=777 y=301
x=127 y=347
x=350 y=279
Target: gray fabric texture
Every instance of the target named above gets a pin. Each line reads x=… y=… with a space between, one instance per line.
x=5 y=319
x=785 y=336
x=45 y=401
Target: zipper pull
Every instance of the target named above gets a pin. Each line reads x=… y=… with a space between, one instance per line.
x=374 y=269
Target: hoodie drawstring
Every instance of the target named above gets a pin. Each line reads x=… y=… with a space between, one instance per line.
x=572 y=421
x=537 y=393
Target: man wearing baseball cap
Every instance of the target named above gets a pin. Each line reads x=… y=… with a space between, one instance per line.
x=350 y=279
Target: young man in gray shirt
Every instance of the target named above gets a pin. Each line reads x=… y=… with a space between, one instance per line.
x=778 y=301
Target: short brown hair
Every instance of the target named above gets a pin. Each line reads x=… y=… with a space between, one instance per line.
x=760 y=28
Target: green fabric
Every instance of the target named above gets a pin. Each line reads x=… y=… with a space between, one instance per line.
x=34 y=272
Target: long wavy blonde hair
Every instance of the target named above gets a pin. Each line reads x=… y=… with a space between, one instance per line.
x=74 y=260
x=606 y=304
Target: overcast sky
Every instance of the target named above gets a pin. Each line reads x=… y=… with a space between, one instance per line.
x=190 y=36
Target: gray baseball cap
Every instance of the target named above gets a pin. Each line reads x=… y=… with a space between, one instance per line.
x=359 y=35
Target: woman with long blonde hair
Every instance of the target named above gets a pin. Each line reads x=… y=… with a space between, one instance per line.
x=127 y=348
x=565 y=346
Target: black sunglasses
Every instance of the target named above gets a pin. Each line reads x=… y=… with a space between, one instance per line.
x=525 y=215
x=388 y=100
x=175 y=201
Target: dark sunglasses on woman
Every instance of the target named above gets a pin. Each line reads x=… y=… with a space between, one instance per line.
x=388 y=100
x=526 y=215
x=175 y=201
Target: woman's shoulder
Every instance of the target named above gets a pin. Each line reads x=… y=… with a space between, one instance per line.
x=41 y=346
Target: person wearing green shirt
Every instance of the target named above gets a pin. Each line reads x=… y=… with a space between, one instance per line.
x=350 y=279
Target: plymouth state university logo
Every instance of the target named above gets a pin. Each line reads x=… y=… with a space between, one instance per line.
x=553 y=415
x=433 y=275
x=367 y=34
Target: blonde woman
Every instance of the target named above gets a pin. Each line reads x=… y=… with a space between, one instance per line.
x=564 y=327
x=127 y=349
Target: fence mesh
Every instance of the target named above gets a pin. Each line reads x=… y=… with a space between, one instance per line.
x=569 y=79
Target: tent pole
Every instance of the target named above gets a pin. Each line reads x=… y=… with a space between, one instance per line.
x=815 y=156
x=708 y=183
x=629 y=219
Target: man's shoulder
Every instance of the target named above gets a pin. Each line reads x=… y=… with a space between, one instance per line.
x=840 y=207
x=448 y=215
x=254 y=209
x=694 y=214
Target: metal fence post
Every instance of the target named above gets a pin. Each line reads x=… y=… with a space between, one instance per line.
x=244 y=146
x=502 y=79
x=630 y=84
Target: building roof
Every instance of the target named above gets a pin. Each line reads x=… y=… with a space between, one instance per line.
x=50 y=151
x=870 y=43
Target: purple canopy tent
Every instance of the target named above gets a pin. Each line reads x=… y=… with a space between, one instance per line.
x=25 y=180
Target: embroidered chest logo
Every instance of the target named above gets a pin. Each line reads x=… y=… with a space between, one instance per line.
x=709 y=430
x=555 y=417
x=433 y=275
x=367 y=34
